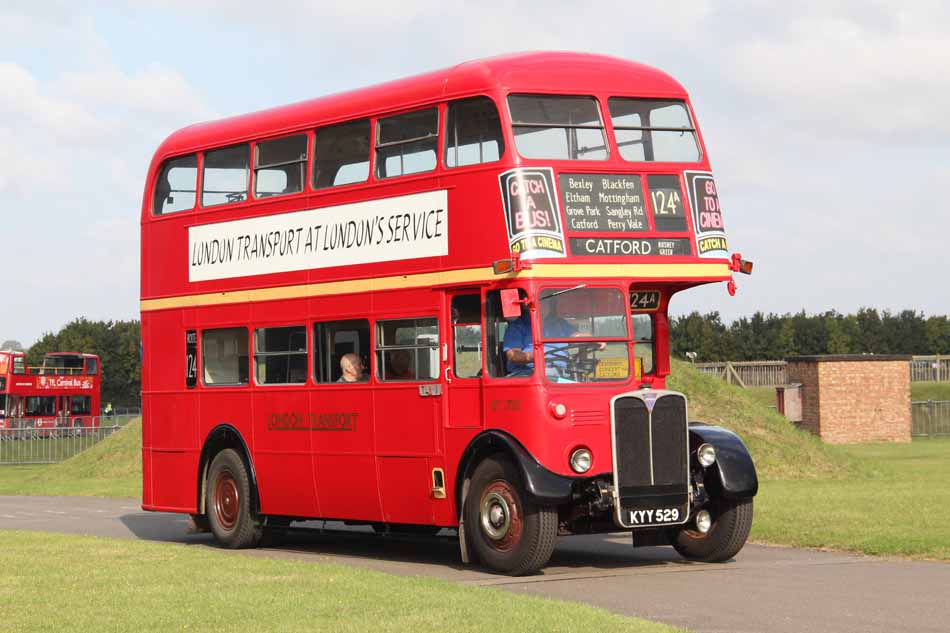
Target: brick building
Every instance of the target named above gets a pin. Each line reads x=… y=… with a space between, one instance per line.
x=854 y=398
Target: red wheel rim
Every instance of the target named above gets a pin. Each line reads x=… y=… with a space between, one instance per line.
x=227 y=500
x=501 y=519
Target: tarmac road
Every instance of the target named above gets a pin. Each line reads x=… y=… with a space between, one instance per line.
x=765 y=589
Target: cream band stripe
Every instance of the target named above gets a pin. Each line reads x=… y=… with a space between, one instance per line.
x=672 y=272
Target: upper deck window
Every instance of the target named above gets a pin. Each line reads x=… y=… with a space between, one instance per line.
x=407 y=143
x=177 y=185
x=225 y=175
x=341 y=154
x=473 y=133
x=279 y=166
x=653 y=130
x=561 y=128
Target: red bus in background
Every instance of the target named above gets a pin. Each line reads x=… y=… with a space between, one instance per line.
x=440 y=302
x=62 y=392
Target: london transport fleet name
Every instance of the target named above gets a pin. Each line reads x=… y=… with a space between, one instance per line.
x=403 y=227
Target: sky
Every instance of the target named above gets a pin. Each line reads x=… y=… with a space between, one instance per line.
x=826 y=124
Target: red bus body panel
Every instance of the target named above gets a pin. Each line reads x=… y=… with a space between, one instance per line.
x=380 y=470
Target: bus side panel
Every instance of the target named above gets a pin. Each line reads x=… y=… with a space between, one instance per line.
x=347 y=488
x=404 y=487
x=174 y=475
x=170 y=431
x=342 y=444
x=282 y=452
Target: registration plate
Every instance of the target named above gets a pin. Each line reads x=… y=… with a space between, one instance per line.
x=655 y=516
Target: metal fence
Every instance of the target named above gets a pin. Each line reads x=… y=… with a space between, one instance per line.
x=758 y=373
x=930 y=418
x=935 y=368
x=25 y=443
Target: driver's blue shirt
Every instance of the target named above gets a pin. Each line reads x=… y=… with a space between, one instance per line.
x=518 y=336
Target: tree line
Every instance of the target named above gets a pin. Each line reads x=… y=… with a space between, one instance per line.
x=774 y=337
x=118 y=345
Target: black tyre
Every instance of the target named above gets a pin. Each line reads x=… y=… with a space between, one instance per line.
x=229 y=509
x=731 y=522
x=508 y=532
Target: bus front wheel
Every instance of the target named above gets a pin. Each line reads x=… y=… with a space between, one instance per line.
x=509 y=532
x=731 y=522
x=229 y=509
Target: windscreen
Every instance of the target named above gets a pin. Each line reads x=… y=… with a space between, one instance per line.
x=580 y=319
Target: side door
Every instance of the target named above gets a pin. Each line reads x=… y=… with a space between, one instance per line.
x=408 y=413
x=465 y=347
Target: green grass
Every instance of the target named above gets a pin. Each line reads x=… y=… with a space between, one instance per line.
x=780 y=450
x=111 y=468
x=928 y=390
x=763 y=395
x=70 y=583
x=902 y=506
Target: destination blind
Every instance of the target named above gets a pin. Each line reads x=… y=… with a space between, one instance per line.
x=603 y=203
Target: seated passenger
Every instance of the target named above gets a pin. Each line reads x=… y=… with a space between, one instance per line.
x=352 y=367
x=399 y=366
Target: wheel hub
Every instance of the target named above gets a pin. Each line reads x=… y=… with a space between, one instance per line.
x=226 y=500
x=496 y=516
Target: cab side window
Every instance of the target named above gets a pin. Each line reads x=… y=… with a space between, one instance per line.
x=467 y=336
x=644 y=344
x=496 y=330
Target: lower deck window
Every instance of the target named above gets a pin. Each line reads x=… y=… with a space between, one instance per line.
x=224 y=356
x=407 y=349
x=280 y=355
x=80 y=405
x=41 y=405
x=336 y=343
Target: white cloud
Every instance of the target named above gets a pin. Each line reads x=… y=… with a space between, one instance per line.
x=876 y=72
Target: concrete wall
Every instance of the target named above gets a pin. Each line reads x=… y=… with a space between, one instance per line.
x=849 y=399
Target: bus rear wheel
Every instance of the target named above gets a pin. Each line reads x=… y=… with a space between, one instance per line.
x=229 y=511
x=509 y=532
x=731 y=522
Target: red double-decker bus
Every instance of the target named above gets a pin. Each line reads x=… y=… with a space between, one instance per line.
x=62 y=392
x=440 y=302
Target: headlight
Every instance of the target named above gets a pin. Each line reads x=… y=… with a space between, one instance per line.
x=581 y=460
x=706 y=455
x=703 y=521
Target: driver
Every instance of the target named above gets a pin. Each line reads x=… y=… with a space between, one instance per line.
x=518 y=346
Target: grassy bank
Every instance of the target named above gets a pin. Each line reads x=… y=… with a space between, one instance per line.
x=902 y=507
x=927 y=390
x=111 y=468
x=112 y=585
x=780 y=450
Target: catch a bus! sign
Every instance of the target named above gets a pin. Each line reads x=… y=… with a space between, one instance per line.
x=389 y=229
x=707 y=216
x=531 y=213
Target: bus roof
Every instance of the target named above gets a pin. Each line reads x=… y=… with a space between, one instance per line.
x=574 y=73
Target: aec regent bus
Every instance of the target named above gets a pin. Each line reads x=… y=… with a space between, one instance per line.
x=62 y=392
x=440 y=302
